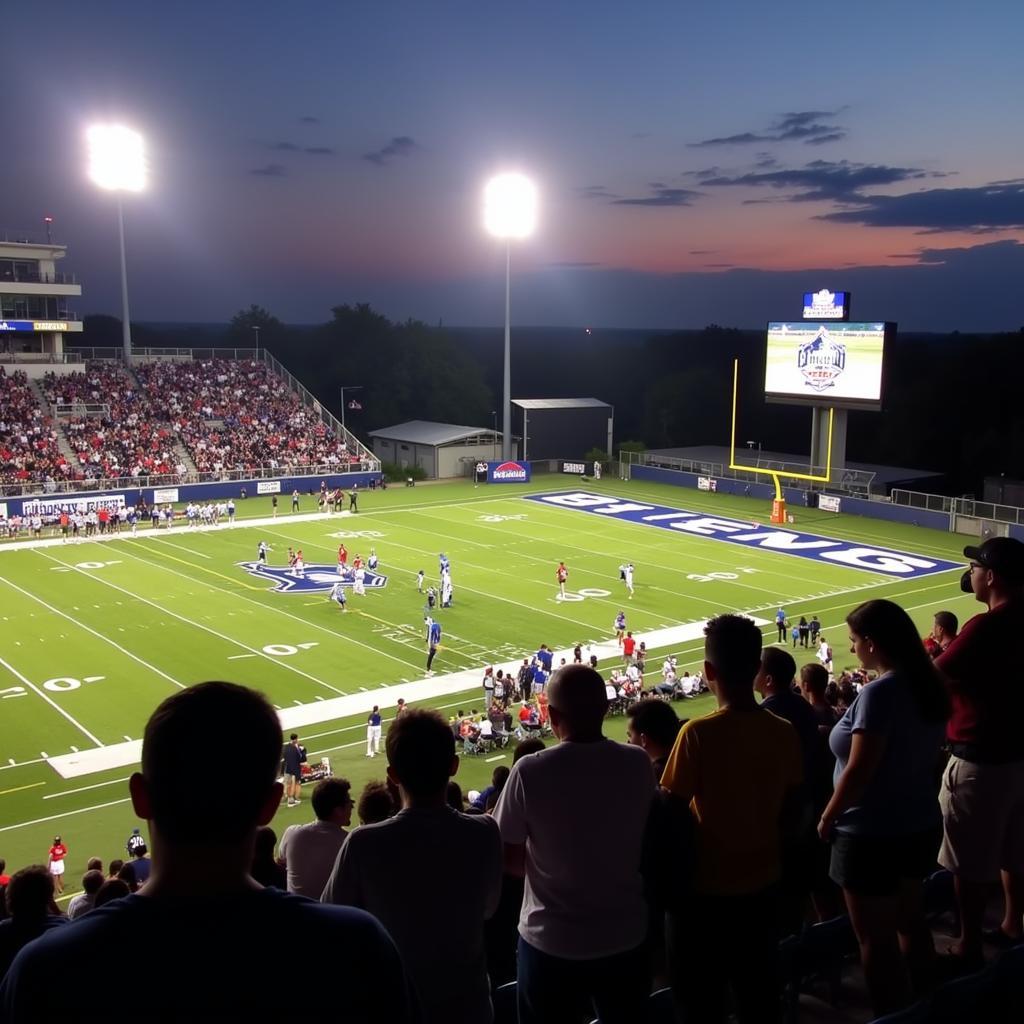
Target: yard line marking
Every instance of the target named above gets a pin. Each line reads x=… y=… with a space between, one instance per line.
x=238 y=657
x=280 y=611
x=74 y=749
x=56 y=707
x=180 y=547
x=15 y=789
x=128 y=738
x=44 y=754
x=82 y=789
x=499 y=757
x=192 y=622
x=94 y=632
x=65 y=814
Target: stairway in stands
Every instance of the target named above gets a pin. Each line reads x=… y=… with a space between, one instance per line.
x=181 y=456
x=65 y=448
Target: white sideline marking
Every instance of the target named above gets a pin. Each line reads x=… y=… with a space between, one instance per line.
x=83 y=789
x=121 y=755
x=65 y=814
x=89 y=629
x=498 y=757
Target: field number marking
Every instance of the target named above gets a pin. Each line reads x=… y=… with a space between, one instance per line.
x=61 y=684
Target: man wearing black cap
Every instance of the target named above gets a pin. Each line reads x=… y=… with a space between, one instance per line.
x=983 y=785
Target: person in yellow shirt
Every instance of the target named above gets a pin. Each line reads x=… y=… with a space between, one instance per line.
x=740 y=771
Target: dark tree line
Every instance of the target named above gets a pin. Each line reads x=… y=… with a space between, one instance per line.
x=952 y=402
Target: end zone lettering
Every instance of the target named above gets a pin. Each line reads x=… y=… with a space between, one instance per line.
x=509 y=472
x=898 y=564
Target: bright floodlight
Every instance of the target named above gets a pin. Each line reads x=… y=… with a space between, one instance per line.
x=510 y=206
x=117 y=158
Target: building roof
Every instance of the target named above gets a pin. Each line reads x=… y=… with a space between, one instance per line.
x=560 y=403
x=425 y=432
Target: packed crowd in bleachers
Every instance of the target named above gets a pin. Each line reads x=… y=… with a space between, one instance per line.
x=229 y=415
x=28 y=439
x=726 y=860
x=125 y=439
x=236 y=414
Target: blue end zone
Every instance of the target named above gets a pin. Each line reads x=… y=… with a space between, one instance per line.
x=851 y=554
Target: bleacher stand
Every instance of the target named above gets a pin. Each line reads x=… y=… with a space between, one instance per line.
x=28 y=440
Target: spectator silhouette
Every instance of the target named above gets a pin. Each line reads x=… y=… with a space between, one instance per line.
x=739 y=768
x=433 y=904
x=214 y=940
x=573 y=818
x=31 y=909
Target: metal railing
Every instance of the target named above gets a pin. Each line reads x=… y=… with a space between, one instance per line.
x=12 y=313
x=308 y=400
x=34 y=488
x=855 y=482
x=88 y=409
x=42 y=357
x=968 y=507
x=35 y=277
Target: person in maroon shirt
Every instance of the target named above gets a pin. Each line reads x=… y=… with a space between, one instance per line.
x=982 y=794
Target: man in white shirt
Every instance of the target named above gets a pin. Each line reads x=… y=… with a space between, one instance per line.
x=309 y=851
x=430 y=875
x=583 y=921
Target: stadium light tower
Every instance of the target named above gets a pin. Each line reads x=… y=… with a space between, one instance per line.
x=510 y=211
x=117 y=163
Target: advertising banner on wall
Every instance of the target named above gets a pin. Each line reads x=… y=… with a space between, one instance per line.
x=829 y=502
x=577 y=468
x=268 y=487
x=705 y=483
x=509 y=472
x=165 y=495
x=52 y=506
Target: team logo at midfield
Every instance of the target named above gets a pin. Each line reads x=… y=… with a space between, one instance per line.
x=315 y=578
x=821 y=360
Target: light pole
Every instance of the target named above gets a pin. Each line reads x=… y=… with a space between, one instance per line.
x=510 y=211
x=256 y=331
x=356 y=405
x=117 y=163
x=494 y=434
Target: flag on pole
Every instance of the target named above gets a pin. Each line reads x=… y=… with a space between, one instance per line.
x=354 y=405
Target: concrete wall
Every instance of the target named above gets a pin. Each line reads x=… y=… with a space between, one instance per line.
x=799 y=498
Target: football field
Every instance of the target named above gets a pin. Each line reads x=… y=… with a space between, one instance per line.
x=93 y=635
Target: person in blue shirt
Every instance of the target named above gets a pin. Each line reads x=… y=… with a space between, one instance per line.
x=433 y=642
x=545 y=658
x=442 y=563
x=884 y=821
x=780 y=623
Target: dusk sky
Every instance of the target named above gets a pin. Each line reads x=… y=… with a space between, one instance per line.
x=695 y=163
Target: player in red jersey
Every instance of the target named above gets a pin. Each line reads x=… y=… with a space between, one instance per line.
x=55 y=862
x=561 y=574
x=342 y=558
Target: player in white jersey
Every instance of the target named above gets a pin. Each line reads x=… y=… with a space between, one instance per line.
x=627 y=578
x=299 y=568
x=338 y=594
x=359 y=582
x=261 y=552
x=372 y=561
x=231 y=511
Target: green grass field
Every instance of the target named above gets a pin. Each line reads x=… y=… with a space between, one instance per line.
x=95 y=634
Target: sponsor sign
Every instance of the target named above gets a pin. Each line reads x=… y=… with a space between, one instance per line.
x=828 y=502
x=510 y=472
x=705 y=483
x=315 y=578
x=34 y=325
x=579 y=468
x=826 y=305
x=53 y=506
x=3 y=509
x=268 y=486
x=848 y=553
x=165 y=495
